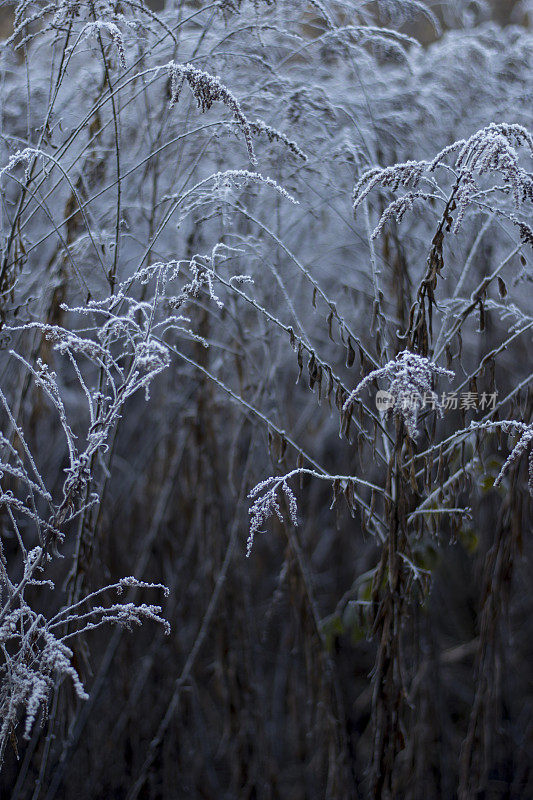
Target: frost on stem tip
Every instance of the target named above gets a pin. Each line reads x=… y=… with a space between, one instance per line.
x=493 y=149
x=94 y=28
x=273 y=135
x=20 y=157
x=39 y=657
x=410 y=382
x=266 y=504
x=238 y=178
x=524 y=444
x=208 y=89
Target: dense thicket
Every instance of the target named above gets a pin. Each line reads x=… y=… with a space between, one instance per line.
x=225 y=226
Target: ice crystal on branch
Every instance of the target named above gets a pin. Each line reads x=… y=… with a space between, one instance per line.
x=410 y=382
x=239 y=178
x=20 y=157
x=266 y=504
x=35 y=652
x=94 y=28
x=491 y=150
x=273 y=135
x=407 y=174
x=208 y=89
x=524 y=444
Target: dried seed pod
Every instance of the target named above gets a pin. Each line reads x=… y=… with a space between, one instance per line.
x=300 y=362
x=330 y=322
x=350 y=354
x=350 y=497
x=292 y=338
x=331 y=383
x=319 y=383
x=339 y=397
x=336 y=491
x=312 y=371
x=348 y=422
